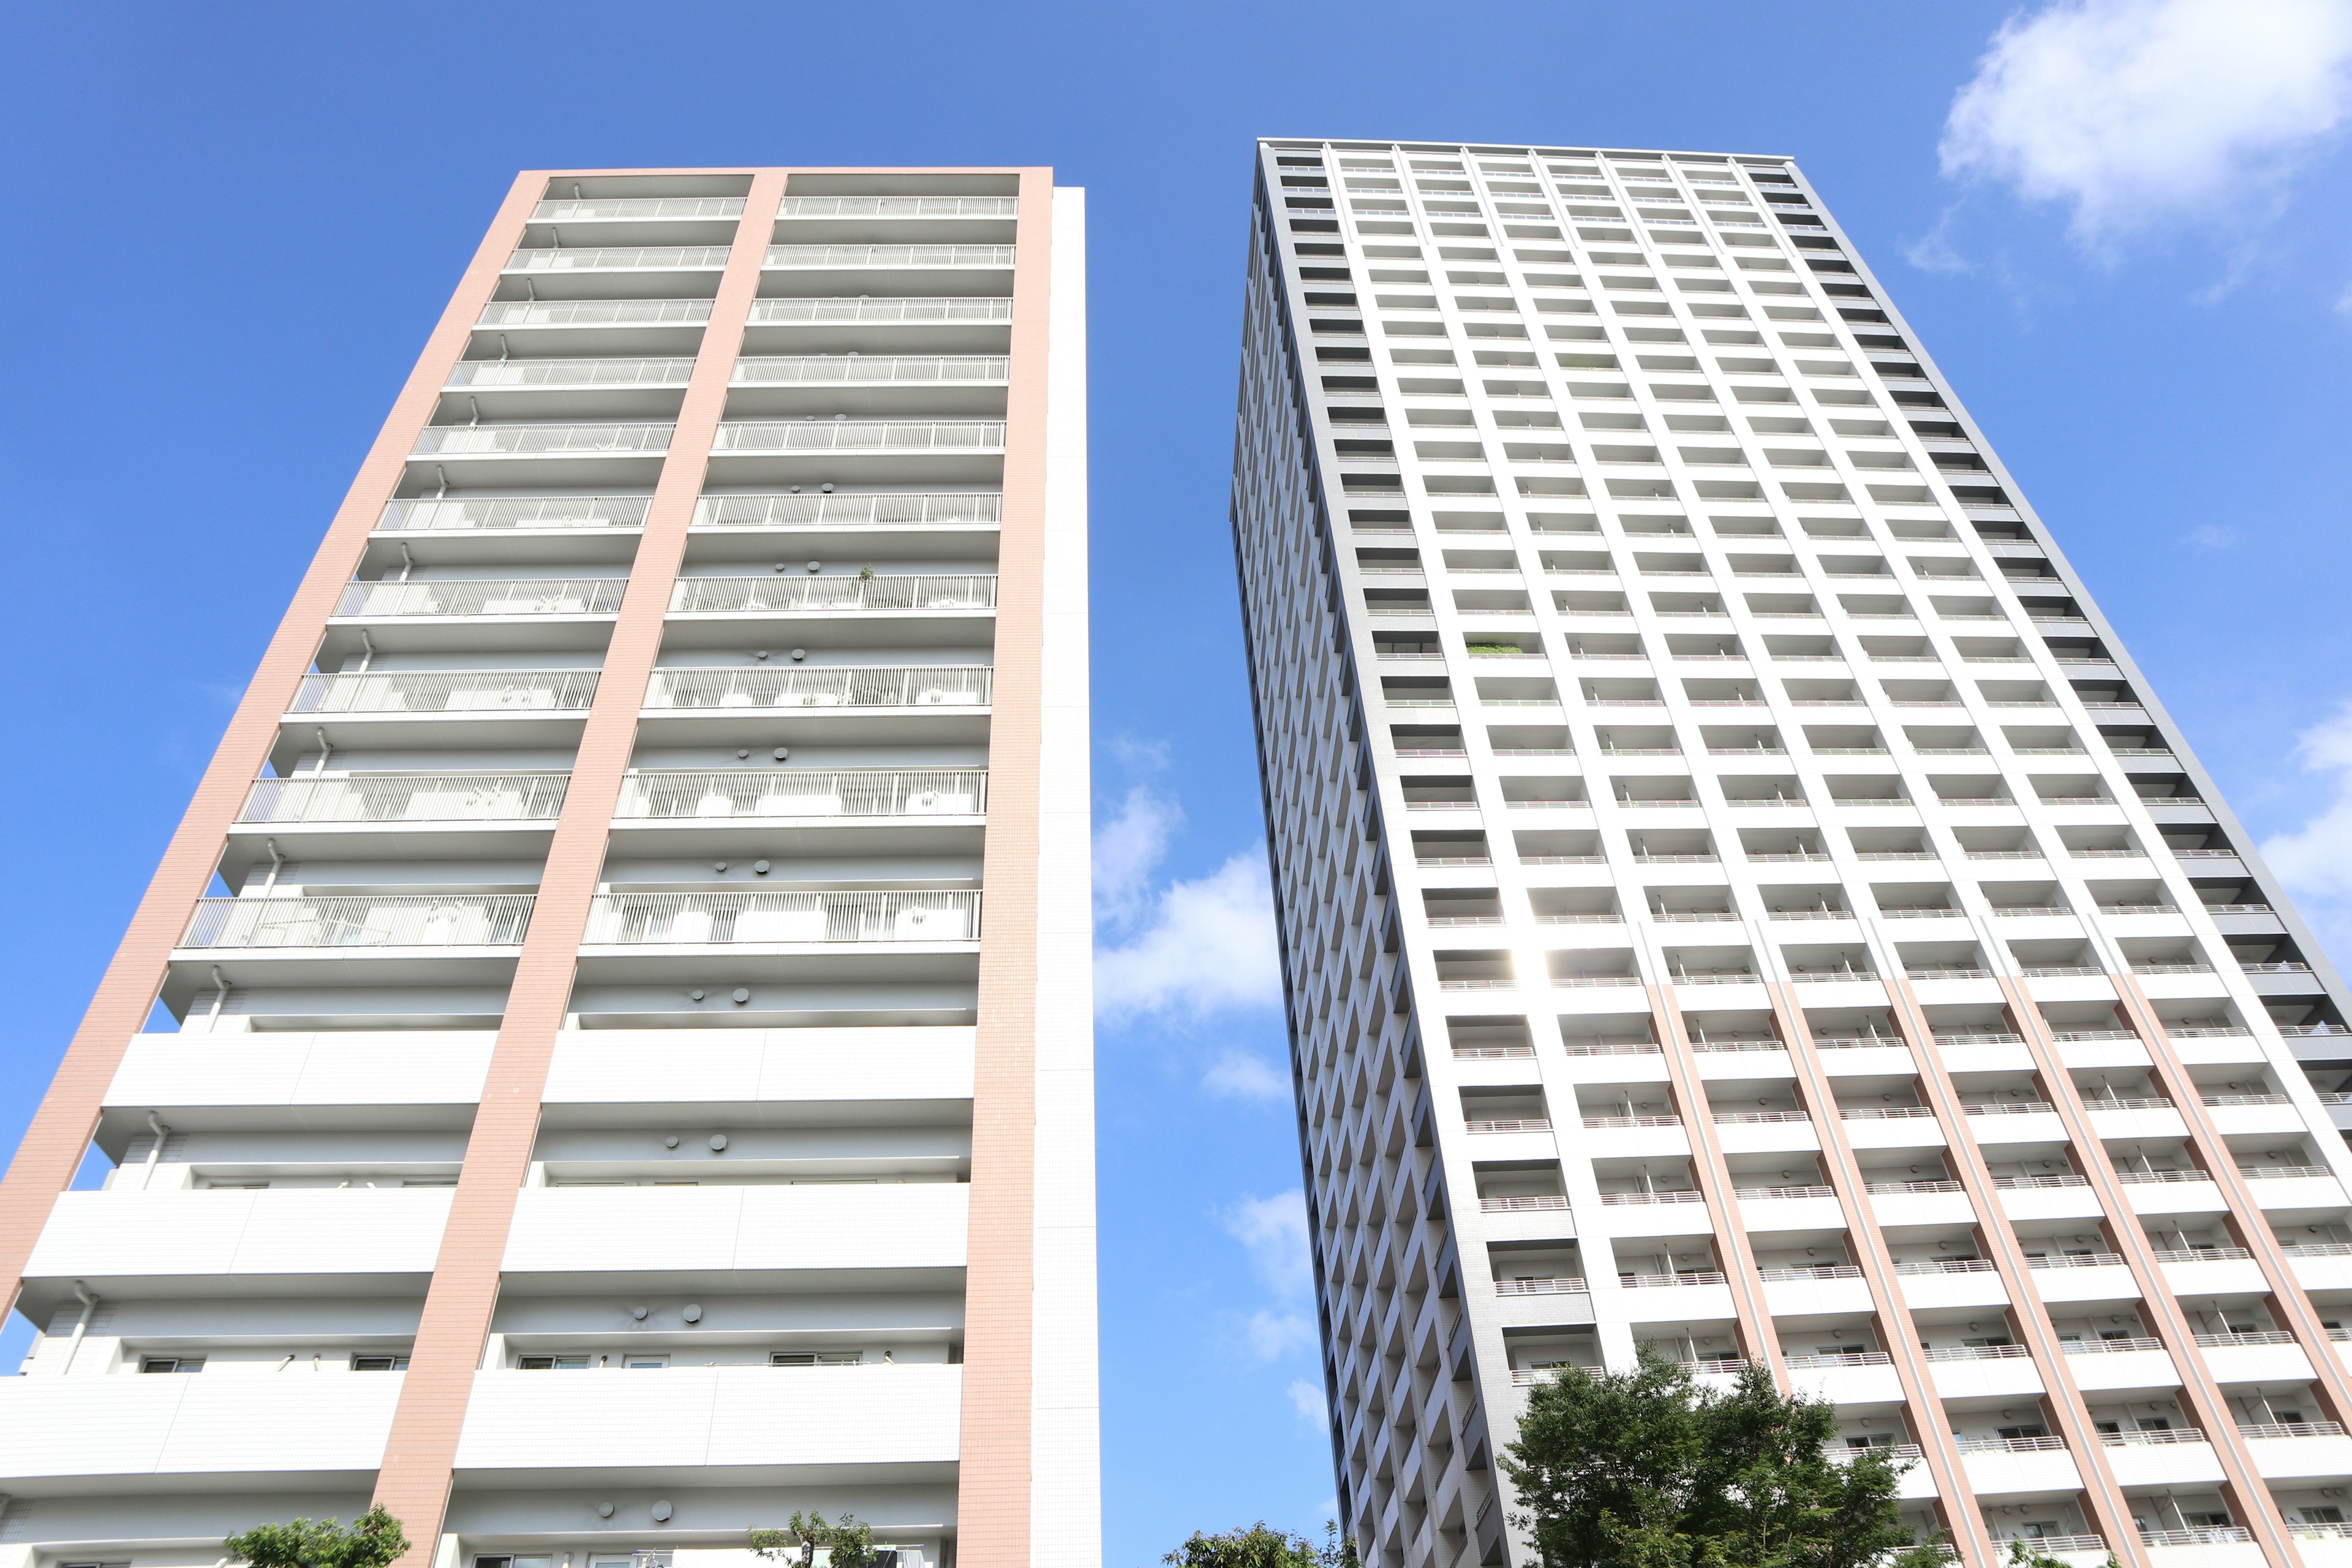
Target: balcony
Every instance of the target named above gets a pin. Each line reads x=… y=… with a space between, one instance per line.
x=898 y=206
x=830 y=595
x=849 y=511
x=436 y=798
x=256 y=1430
x=612 y=209
x=545 y=259
x=498 y=704
x=557 y=453
x=343 y=923
x=553 y=374
x=473 y=513
x=915 y=1230
x=711 y=795
x=513 y=596
x=776 y=1420
x=860 y=370
x=861 y=450
x=305 y=1233
x=629 y=313
x=930 y=915
x=932 y=698
x=940 y=310
x=889 y=259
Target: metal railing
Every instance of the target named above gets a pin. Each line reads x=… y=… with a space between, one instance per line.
x=595 y=313
x=2203 y=1535
x=1810 y=1271
x=2263 y=1429
x=1525 y=1204
x=2014 y=1184
x=2201 y=1254
x=526 y=596
x=713 y=919
x=1560 y=1285
x=536 y=440
x=437 y=919
x=2109 y=1347
x=2075 y=1260
x=2011 y=1445
x=617 y=258
x=835 y=511
x=2159 y=1177
x=2153 y=1438
x=808 y=369
x=796 y=255
x=707 y=794
x=1892 y=1187
x=1945 y=1266
x=898 y=206
x=784 y=313
x=2226 y=1340
x=709 y=595
x=431 y=513
x=407 y=797
x=1665 y=1281
x=1656 y=1196
x=1978 y=1352
x=569 y=373
x=1618 y=1121
x=587 y=208
x=919 y=686
x=1840 y=1358
x=1508 y=1124
x=861 y=436
x=448 y=691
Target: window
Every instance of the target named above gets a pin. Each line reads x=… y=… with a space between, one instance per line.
x=817 y=1358
x=550 y=1363
x=171 y=1363
x=502 y=1562
x=379 y=1363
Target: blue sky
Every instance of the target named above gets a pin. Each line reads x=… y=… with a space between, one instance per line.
x=229 y=228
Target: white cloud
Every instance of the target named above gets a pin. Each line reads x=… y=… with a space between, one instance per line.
x=1275 y=1334
x=2211 y=536
x=1128 y=849
x=1272 y=1231
x=2136 y=111
x=1207 y=946
x=2316 y=858
x=2343 y=301
x=1312 y=1408
x=1240 y=1075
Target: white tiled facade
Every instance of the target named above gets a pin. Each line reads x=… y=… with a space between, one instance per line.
x=795 y=1100
x=1737 y=897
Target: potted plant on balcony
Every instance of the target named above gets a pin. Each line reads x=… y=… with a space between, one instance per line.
x=373 y=1541
x=847 y=1543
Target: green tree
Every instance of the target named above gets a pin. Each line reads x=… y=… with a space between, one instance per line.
x=848 y=1542
x=373 y=1541
x=1262 y=1546
x=1643 y=1469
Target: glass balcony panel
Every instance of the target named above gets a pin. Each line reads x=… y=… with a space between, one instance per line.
x=617 y=258
x=914 y=592
x=818 y=256
x=898 y=206
x=407 y=797
x=590 y=209
x=529 y=596
x=787 y=313
x=826 y=511
x=861 y=369
x=436 y=919
x=595 y=313
x=713 y=919
x=448 y=691
x=860 y=435
x=709 y=793
x=490 y=373
x=923 y=686
x=459 y=512
x=529 y=440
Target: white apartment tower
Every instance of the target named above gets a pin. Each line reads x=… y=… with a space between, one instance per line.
x=605 y=1062
x=1737 y=895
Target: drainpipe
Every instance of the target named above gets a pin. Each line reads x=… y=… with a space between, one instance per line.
x=88 y=1308
x=155 y=1125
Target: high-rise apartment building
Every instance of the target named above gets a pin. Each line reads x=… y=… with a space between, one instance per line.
x=1737 y=897
x=606 y=1063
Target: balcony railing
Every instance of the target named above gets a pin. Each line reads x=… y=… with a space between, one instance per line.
x=860 y=369
x=1656 y=1196
x=862 y=436
x=455 y=513
x=796 y=255
x=1840 y=1358
x=2011 y=1444
x=618 y=259
x=1527 y=1203
x=448 y=691
x=538 y=440
x=1977 y=1352
x=835 y=511
x=710 y=596
x=440 y=919
x=1668 y=1281
x=525 y=596
x=2203 y=1535
x=485 y=372
x=706 y=795
x=2152 y=1437
x=713 y=919
x=917 y=686
x=898 y=206
x=595 y=313
x=407 y=797
x=786 y=312
x=591 y=208
x=1560 y=1285
x=2109 y=1347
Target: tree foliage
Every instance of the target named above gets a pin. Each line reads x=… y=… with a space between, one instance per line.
x=373 y=1541
x=848 y=1542
x=1643 y=1469
x=1262 y=1546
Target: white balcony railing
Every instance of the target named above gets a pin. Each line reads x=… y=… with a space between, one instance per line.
x=523 y=596
x=448 y=691
x=431 y=513
x=786 y=312
x=436 y=919
x=713 y=919
x=595 y=313
x=618 y=259
x=835 y=511
x=705 y=794
x=538 y=440
x=862 y=436
x=862 y=369
x=898 y=206
x=407 y=797
x=923 y=591
x=991 y=255
x=488 y=372
x=593 y=208
x=917 y=686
